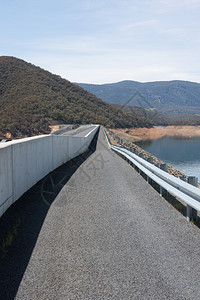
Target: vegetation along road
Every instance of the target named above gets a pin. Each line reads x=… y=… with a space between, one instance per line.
x=109 y=235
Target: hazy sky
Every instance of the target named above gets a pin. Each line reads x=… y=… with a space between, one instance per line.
x=99 y=41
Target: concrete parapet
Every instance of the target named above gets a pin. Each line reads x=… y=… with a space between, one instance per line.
x=6 y=177
x=32 y=160
x=26 y=161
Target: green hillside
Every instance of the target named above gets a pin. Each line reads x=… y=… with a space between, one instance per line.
x=31 y=99
x=152 y=115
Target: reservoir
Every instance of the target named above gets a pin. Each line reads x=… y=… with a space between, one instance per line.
x=183 y=153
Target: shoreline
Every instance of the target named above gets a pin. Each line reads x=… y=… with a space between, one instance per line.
x=128 y=143
x=138 y=134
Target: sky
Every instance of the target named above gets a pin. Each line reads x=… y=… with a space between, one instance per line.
x=97 y=41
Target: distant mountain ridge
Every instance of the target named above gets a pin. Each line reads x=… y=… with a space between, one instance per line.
x=31 y=99
x=161 y=95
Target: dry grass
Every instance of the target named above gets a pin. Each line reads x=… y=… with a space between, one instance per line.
x=137 y=134
x=54 y=128
x=111 y=140
x=7 y=241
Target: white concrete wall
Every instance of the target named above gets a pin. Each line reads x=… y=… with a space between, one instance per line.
x=32 y=160
x=6 y=180
x=60 y=150
x=24 y=162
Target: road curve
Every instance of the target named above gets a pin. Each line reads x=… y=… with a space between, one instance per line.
x=109 y=235
x=81 y=131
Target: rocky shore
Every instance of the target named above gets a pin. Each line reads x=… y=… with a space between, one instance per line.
x=128 y=144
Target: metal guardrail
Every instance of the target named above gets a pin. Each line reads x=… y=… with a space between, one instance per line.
x=184 y=191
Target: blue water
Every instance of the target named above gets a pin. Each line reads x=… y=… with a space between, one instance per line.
x=181 y=153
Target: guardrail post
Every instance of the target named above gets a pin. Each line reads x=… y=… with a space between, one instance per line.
x=150 y=159
x=183 y=178
x=161 y=191
x=188 y=213
x=163 y=167
x=193 y=181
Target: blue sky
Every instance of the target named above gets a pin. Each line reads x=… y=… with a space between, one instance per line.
x=97 y=41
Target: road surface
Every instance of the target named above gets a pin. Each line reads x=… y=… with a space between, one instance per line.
x=81 y=131
x=109 y=235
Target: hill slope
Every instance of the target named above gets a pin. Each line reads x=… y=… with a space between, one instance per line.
x=31 y=99
x=163 y=95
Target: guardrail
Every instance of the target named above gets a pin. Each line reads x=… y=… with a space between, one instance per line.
x=184 y=191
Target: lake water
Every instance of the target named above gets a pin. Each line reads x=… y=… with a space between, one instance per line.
x=180 y=152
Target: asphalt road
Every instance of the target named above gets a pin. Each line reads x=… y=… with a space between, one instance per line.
x=109 y=235
x=81 y=131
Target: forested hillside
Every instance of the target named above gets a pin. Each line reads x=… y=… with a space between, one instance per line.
x=31 y=99
x=165 y=96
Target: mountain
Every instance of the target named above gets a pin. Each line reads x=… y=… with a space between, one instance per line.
x=152 y=115
x=165 y=96
x=31 y=99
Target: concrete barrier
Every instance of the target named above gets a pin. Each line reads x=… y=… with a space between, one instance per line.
x=60 y=150
x=24 y=162
x=6 y=177
x=32 y=159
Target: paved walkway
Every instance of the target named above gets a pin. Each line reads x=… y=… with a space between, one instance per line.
x=109 y=235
